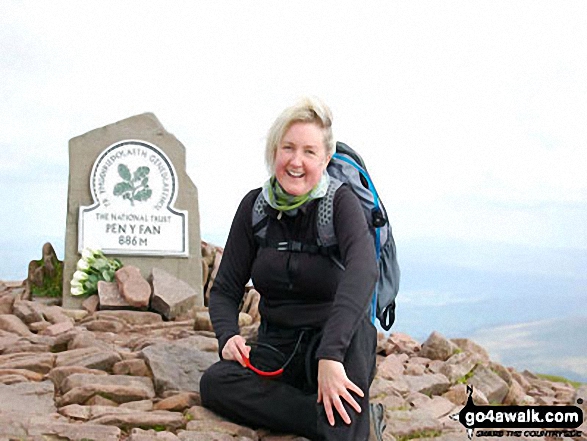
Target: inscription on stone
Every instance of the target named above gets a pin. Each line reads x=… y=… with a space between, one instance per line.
x=134 y=185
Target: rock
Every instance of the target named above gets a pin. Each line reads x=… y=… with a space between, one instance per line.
x=177 y=367
x=429 y=384
x=133 y=287
x=24 y=373
x=110 y=296
x=200 y=413
x=93 y=358
x=151 y=435
x=224 y=427
x=137 y=368
x=407 y=423
x=439 y=407
x=80 y=380
x=203 y=322
x=488 y=382
x=131 y=318
x=41 y=363
x=391 y=368
x=28 y=398
x=154 y=419
x=402 y=344
x=213 y=273
x=57 y=328
x=77 y=432
x=179 y=402
x=6 y=303
x=113 y=326
x=76 y=315
x=171 y=296
x=116 y=393
x=459 y=365
x=91 y=304
x=471 y=347
x=516 y=395
x=141 y=405
x=55 y=314
x=251 y=304
x=437 y=347
x=59 y=374
x=14 y=325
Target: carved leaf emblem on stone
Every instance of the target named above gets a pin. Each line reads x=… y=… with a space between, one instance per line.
x=135 y=186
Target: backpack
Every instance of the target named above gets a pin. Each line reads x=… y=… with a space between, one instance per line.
x=347 y=167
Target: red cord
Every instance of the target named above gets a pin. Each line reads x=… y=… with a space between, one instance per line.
x=260 y=372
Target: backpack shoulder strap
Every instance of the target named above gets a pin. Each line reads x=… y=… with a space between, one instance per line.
x=325 y=219
x=260 y=218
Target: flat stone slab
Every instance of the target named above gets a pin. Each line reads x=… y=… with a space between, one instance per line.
x=28 y=398
x=177 y=367
x=171 y=296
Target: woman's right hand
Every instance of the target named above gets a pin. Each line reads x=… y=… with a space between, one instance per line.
x=234 y=349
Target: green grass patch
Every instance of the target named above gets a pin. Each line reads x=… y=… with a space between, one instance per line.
x=559 y=379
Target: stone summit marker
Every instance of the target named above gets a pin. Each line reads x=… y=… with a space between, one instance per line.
x=129 y=195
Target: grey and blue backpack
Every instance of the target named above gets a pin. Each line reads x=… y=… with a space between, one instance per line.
x=347 y=167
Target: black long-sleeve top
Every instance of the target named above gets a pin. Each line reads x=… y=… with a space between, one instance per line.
x=298 y=289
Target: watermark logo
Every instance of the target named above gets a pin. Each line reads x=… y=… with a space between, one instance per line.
x=553 y=421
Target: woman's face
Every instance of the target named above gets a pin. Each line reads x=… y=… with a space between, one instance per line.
x=301 y=158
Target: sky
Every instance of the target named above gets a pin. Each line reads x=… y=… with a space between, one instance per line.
x=470 y=115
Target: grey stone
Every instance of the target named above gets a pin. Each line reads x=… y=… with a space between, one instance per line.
x=151 y=435
x=407 y=423
x=80 y=380
x=491 y=384
x=156 y=418
x=429 y=384
x=437 y=347
x=177 y=367
x=459 y=365
x=75 y=432
x=470 y=346
x=83 y=152
x=225 y=427
x=171 y=296
x=28 y=398
x=93 y=358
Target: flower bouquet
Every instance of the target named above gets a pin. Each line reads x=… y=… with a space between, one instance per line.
x=91 y=268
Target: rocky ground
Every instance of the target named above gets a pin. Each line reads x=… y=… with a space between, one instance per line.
x=131 y=375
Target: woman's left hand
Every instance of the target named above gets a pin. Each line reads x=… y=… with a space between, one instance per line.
x=333 y=387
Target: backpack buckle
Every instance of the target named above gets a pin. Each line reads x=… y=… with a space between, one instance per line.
x=378 y=218
x=293 y=246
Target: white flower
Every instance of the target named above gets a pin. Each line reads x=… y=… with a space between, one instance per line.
x=80 y=276
x=76 y=291
x=76 y=283
x=82 y=265
x=87 y=254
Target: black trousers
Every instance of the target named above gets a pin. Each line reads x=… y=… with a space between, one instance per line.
x=287 y=404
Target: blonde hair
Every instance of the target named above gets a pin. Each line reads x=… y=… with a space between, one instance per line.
x=307 y=109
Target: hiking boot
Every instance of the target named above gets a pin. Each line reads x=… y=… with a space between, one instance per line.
x=376 y=414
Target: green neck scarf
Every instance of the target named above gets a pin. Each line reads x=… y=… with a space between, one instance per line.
x=279 y=199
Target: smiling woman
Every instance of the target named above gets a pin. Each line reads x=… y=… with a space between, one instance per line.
x=314 y=314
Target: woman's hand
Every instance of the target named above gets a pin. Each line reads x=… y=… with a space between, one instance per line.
x=333 y=387
x=234 y=349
